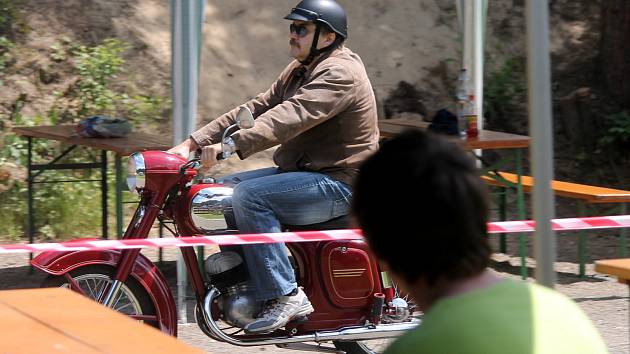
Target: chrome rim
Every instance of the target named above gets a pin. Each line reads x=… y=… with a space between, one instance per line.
x=379 y=345
x=93 y=285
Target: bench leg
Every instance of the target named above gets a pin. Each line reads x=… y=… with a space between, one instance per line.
x=582 y=242
x=503 y=217
x=520 y=205
x=623 y=243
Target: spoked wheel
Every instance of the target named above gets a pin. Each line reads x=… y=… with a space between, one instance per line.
x=364 y=347
x=377 y=346
x=132 y=299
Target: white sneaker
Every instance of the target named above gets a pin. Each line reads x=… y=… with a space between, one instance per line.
x=280 y=311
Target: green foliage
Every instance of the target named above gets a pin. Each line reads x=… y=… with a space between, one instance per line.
x=5 y=53
x=11 y=20
x=97 y=66
x=618 y=132
x=7 y=14
x=59 y=50
x=96 y=91
x=56 y=204
x=61 y=209
x=67 y=209
x=504 y=90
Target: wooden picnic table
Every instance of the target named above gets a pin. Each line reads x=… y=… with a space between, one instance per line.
x=619 y=268
x=56 y=320
x=135 y=141
x=487 y=139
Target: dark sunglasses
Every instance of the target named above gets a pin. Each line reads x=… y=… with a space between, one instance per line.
x=300 y=30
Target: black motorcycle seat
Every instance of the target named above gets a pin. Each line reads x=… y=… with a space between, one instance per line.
x=341 y=222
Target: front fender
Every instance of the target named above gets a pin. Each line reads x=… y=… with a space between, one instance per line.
x=144 y=271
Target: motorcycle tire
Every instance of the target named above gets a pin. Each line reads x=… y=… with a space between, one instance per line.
x=133 y=298
x=367 y=347
x=375 y=346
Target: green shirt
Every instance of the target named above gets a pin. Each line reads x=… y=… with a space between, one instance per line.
x=508 y=317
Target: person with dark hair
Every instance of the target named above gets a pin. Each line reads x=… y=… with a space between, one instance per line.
x=322 y=113
x=423 y=210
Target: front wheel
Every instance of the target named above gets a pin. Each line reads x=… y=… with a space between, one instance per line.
x=133 y=300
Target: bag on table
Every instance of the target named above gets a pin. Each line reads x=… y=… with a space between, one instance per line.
x=103 y=127
x=444 y=122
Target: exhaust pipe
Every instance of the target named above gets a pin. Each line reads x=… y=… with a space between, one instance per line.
x=344 y=334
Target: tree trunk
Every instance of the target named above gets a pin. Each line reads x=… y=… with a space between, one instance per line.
x=615 y=48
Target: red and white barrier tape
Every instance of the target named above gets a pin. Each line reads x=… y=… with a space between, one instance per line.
x=604 y=222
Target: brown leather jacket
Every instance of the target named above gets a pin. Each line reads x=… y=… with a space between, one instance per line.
x=324 y=117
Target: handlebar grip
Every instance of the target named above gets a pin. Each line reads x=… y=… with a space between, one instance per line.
x=220 y=156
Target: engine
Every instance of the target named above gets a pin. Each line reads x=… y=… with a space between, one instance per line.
x=228 y=273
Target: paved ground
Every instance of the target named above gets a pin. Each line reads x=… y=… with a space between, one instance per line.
x=602 y=298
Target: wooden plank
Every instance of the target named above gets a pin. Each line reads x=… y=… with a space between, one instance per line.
x=616 y=267
x=135 y=141
x=487 y=139
x=591 y=194
x=88 y=322
x=21 y=333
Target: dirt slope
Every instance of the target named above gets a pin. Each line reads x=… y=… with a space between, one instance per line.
x=245 y=46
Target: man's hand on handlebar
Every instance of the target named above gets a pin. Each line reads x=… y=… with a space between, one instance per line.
x=184 y=148
x=209 y=155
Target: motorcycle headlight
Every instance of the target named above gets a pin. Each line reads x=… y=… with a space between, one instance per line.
x=135 y=172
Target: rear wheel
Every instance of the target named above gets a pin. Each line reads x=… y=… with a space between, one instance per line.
x=133 y=300
x=377 y=346
x=364 y=347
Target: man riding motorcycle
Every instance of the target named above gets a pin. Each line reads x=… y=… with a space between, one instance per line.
x=322 y=112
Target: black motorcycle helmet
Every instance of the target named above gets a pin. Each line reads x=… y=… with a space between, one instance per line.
x=326 y=12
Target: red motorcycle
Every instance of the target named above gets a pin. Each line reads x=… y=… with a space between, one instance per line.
x=357 y=308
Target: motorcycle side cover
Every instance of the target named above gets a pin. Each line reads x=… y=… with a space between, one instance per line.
x=349 y=273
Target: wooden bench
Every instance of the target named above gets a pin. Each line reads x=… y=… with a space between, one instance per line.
x=57 y=320
x=586 y=194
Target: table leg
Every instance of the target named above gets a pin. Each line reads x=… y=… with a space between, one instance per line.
x=119 y=207
x=104 y=191
x=623 y=242
x=520 y=205
x=582 y=242
x=31 y=221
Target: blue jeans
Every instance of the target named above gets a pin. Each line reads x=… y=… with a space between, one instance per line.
x=263 y=201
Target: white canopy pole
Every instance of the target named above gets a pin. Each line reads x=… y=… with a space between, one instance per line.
x=540 y=127
x=468 y=37
x=187 y=19
x=479 y=20
x=186 y=26
x=471 y=15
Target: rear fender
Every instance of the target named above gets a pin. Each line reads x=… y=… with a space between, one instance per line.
x=144 y=271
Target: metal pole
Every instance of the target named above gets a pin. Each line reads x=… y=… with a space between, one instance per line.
x=478 y=40
x=119 y=206
x=541 y=128
x=104 y=191
x=187 y=22
x=468 y=57
x=31 y=217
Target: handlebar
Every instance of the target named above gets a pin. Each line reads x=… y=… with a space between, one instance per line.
x=195 y=163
